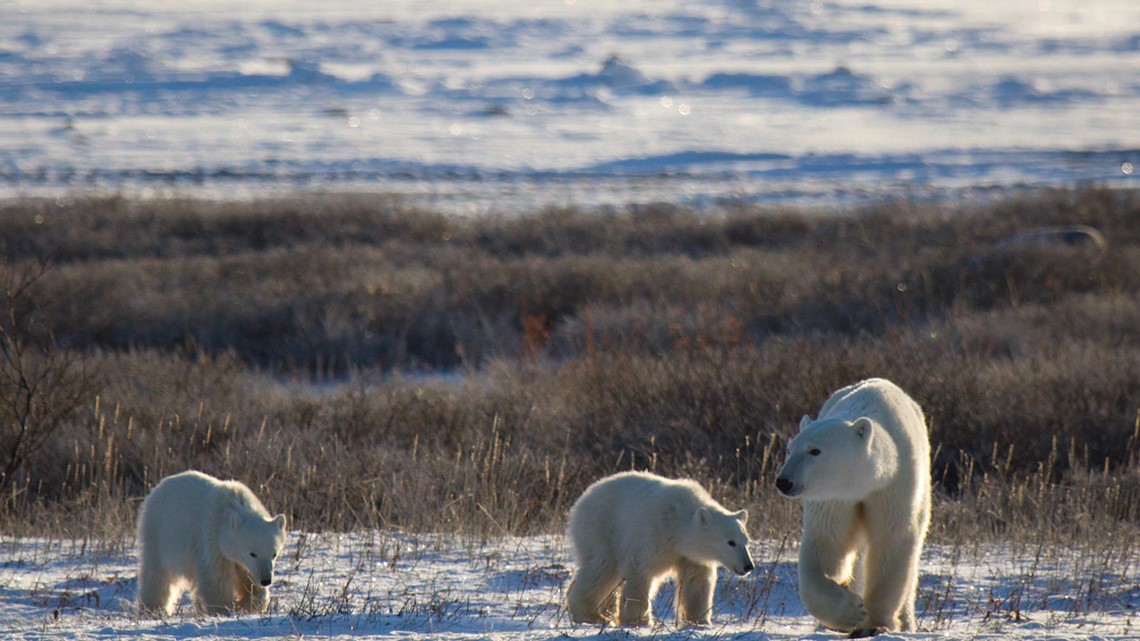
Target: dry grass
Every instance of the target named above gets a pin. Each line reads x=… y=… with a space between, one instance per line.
x=362 y=366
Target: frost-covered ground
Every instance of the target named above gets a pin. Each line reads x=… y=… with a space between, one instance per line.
x=477 y=105
x=406 y=588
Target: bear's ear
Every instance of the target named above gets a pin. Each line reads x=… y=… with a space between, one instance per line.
x=741 y=516
x=235 y=519
x=804 y=422
x=701 y=516
x=862 y=427
x=279 y=521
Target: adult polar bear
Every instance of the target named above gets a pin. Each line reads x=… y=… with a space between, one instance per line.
x=862 y=469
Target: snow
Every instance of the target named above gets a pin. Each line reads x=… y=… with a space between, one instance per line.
x=373 y=585
x=488 y=105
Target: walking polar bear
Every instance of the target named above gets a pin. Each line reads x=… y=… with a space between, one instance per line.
x=640 y=527
x=862 y=469
x=213 y=535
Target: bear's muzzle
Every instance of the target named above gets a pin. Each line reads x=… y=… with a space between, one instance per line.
x=784 y=486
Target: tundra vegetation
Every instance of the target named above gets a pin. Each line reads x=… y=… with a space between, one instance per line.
x=363 y=364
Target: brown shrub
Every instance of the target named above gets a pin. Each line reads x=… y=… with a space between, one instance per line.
x=361 y=364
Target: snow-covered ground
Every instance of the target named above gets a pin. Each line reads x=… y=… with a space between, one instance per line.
x=407 y=588
x=478 y=105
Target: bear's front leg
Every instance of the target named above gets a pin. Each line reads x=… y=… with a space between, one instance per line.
x=826 y=564
x=258 y=599
x=696 y=583
x=216 y=590
x=251 y=597
x=892 y=576
x=831 y=604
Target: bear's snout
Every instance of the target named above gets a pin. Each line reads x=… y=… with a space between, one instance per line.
x=747 y=568
x=784 y=485
x=266 y=582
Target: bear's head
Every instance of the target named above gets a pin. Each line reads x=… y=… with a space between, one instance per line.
x=836 y=459
x=253 y=542
x=716 y=536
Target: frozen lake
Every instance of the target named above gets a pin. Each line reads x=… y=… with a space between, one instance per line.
x=488 y=105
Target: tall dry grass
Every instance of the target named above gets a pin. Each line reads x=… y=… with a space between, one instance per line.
x=361 y=366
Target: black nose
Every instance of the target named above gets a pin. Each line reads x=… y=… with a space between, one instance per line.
x=784 y=485
x=266 y=582
x=747 y=568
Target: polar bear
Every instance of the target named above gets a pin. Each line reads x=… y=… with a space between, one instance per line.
x=862 y=469
x=213 y=535
x=640 y=528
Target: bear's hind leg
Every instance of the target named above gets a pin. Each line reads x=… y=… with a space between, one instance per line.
x=635 y=602
x=608 y=608
x=591 y=598
x=157 y=590
x=696 y=583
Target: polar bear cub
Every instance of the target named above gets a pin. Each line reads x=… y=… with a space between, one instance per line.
x=212 y=536
x=862 y=469
x=639 y=528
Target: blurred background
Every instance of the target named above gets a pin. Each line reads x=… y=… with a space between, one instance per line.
x=483 y=106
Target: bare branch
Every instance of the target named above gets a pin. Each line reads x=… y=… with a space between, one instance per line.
x=42 y=386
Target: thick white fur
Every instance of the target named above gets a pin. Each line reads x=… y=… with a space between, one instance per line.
x=210 y=536
x=640 y=528
x=862 y=469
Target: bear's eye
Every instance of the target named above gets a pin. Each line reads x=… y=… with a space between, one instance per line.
x=254 y=555
x=274 y=555
x=732 y=544
x=814 y=451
